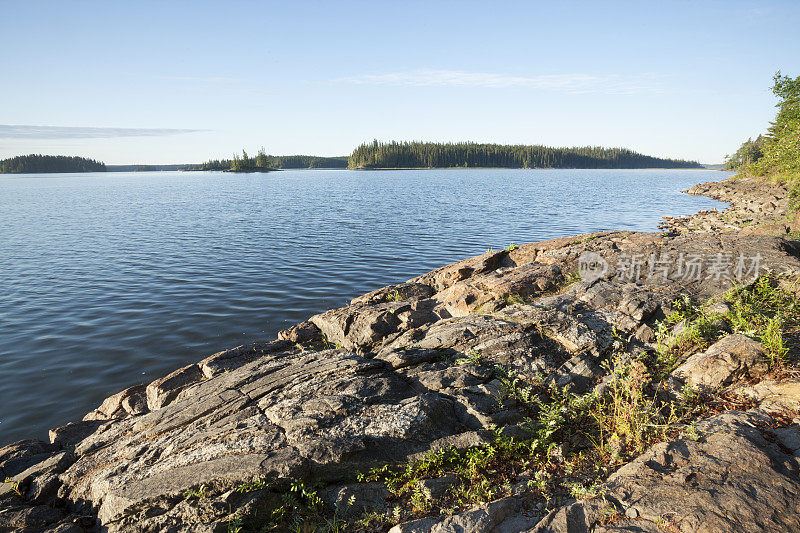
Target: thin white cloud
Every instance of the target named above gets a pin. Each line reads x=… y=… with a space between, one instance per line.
x=11 y=131
x=572 y=83
x=204 y=79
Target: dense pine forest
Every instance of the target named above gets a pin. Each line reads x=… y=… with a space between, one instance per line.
x=453 y=155
x=750 y=152
x=776 y=154
x=263 y=162
x=35 y=163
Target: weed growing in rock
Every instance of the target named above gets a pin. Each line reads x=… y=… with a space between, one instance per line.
x=297 y=508
x=763 y=310
x=14 y=486
x=473 y=357
x=481 y=474
x=199 y=493
x=629 y=419
x=514 y=386
x=328 y=345
x=556 y=288
x=569 y=443
x=586 y=239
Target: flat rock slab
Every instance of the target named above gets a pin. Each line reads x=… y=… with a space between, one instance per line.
x=735 y=476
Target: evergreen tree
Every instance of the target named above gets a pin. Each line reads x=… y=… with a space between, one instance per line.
x=37 y=163
x=470 y=155
x=779 y=154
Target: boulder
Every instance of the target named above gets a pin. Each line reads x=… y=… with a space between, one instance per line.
x=732 y=479
x=360 y=327
x=355 y=499
x=54 y=464
x=304 y=332
x=395 y=293
x=162 y=391
x=729 y=359
x=71 y=434
x=130 y=401
x=774 y=396
x=24 y=454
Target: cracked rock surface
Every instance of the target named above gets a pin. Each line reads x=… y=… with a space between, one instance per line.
x=395 y=374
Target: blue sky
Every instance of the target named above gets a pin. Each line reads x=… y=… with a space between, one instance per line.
x=174 y=82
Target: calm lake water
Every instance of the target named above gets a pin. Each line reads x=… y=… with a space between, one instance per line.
x=109 y=280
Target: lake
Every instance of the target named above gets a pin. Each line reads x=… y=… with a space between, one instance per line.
x=109 y=280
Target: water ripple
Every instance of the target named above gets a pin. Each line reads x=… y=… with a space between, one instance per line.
x=114 y=280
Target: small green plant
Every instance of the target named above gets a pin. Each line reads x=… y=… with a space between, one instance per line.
x=198 y=493
x=252 y=486
x=609 y=513
x=235 y=524
x=394 y=296
x=628 y=417
x=765 y=311
x=511 y=247
x=689 y=395
x=581 y=492
x=473 y=357
x=762 y=310
x=14 y=486
x=297 y=506
x=419 y=500
x=560 y=418
x=690 y=432
x=374 y=520
x=513 y=385
x=513 y=299
x=330 y=345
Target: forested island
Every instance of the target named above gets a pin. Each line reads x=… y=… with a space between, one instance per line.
x=264 y=162
x=37 y=163
x=473 y=155
x=397 y=155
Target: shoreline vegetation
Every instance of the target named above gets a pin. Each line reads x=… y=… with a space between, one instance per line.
x=775 y=155
x=414 y=155
x=264 y=162
x=382 y=156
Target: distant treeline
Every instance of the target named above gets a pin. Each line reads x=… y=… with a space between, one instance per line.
x=145 y=168
x=465 y=155
x=263 y=162
x=35 y=163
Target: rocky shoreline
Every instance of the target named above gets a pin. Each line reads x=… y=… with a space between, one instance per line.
x=449 y=371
